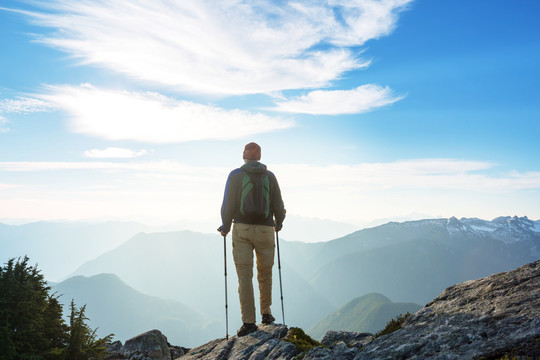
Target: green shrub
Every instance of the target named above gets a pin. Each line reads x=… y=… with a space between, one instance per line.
x=393 y=325
x=301 y=340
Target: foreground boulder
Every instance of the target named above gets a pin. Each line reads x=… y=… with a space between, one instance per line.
x=151 y=345
x=488 y=318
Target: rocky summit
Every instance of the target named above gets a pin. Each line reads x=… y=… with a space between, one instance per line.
x=488 y=318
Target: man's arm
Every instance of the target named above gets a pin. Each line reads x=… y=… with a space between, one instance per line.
x=229 y=204
x=278 y=208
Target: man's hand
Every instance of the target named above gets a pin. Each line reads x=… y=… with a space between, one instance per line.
x=221 y=231
x=277 y=227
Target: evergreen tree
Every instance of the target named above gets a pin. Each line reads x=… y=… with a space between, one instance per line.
x=7 y=347
x=83 y=341
x=31 y=323
x=26 y=308
x=56 y=330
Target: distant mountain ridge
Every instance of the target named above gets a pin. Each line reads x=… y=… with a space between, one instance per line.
x=188 y=267
x=61 y=247
x=413 y=261
x=505 y=228
x=114 y=307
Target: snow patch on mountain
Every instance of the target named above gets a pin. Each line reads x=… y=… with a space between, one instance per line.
x=481 y=228
x=536 y=227
x=505 y=228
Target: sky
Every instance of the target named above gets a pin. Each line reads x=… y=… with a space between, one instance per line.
x=364 y=109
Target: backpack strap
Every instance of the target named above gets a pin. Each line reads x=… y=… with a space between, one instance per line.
x=247 y=185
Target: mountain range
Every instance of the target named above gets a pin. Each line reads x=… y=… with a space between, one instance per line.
x=414 y=261
x=409 y=262
x=114 y=307
x=188 y=267
x=61 y=247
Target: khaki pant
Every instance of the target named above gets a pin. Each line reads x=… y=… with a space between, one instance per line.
x=245 y=239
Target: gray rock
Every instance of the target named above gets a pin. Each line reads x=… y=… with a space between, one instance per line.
x=338 y=351
x=264 y=343
x=149 y=345
x=177 y=351
x=489 y=317
x=114 y=346
x=351 y=339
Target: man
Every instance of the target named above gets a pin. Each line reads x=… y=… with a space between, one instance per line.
x=248 y=189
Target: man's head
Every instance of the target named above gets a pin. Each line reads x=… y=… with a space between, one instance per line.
x=252 y=151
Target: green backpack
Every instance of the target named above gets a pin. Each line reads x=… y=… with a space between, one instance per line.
x=255 y=197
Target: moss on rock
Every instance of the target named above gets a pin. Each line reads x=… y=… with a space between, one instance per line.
x=301 y=340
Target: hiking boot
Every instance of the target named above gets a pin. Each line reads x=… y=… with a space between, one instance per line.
x=268 y=319
x=246 y=329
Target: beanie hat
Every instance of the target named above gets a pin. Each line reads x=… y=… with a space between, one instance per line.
x=252 y=151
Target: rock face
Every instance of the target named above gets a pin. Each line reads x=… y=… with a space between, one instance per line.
x=351 y=339
x=489 y=317
x=151 y=345
x=266 y=343
x=484 y=319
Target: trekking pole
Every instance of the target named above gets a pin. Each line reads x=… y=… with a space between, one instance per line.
x=226 y=302
x=280 y=283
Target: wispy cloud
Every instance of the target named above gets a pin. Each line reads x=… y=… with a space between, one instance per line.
x=417 y=173
x=157 y=168
x=153 y=118
x=3 y=125
x=113 y=152
x=20 y=105
x=335 y=102
x=223 y=47
x=343 y=192
x=411 y=174
x=24 y=105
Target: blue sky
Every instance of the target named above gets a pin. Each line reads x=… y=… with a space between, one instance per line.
x=364 y=109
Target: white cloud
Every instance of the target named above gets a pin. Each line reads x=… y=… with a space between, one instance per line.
x=408 y=174
x=3 y=125
x=321 y=102
x=113 y=152
x=412 y=174
x=366 y=20
x=223 y=47
x=164 y=167
x=24 y=105
x=20 y=105
x=153 y=118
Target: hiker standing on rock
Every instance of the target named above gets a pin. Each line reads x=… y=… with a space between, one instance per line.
x=253 y=201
